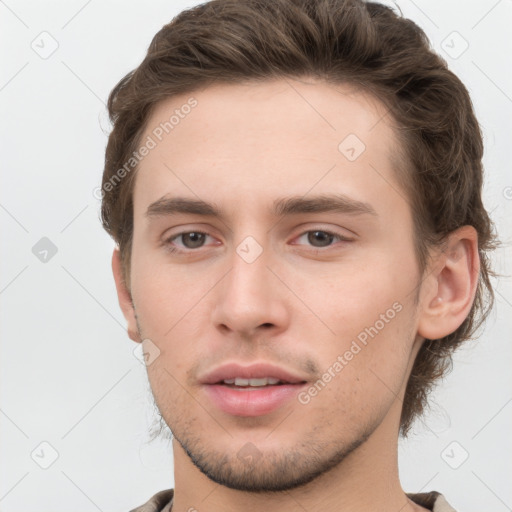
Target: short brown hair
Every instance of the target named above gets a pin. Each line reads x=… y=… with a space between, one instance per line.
x=361 y=43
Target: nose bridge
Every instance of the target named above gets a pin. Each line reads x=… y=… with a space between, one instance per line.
x=248 y=278
x=249 y=295
x=247 y=286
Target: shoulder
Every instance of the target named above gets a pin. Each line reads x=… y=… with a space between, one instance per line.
x=433 y=501
x=157 y=502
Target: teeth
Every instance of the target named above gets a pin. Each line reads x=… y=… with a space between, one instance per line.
x=252 y=382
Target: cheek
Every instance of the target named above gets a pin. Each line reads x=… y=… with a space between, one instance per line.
x=164 y=294
x=370 y=315
x=355 y=297
x=375 y=358
x=167 y=387
x=359 y=381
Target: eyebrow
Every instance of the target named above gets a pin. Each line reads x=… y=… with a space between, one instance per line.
x=285 y=206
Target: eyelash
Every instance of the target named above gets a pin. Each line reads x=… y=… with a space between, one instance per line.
x=174 y=249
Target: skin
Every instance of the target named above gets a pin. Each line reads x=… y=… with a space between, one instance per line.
x=300 y=304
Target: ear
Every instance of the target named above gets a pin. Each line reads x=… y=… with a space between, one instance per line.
x=124 y=297
x=452 y=285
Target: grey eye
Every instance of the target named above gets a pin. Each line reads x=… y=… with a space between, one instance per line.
x=320 y=238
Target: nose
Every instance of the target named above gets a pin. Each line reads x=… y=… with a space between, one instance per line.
x=250 y=299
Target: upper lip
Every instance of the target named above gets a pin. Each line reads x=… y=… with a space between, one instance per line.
x=253 y=371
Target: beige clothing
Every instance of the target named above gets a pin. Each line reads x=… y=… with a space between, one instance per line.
x=162 y=502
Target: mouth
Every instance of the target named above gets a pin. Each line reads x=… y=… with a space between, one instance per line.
x=250 y=391
x=254 y=375
x=248 y=384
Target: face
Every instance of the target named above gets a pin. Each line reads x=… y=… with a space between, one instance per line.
x=302 y=260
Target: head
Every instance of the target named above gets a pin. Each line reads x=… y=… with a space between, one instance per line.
x=266 y=110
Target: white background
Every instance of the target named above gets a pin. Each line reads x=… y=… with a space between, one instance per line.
x=69 y=376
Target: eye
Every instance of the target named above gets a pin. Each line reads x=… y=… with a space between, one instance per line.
x=319 y=238
x=189 y=239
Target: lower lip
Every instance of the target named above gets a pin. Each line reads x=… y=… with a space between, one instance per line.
x=252 y=401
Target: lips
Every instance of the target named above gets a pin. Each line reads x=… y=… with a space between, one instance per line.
x=253 y=390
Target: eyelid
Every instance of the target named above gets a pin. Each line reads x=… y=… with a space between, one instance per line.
x=344 y=234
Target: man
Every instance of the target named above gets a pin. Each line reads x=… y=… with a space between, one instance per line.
x=295 y=189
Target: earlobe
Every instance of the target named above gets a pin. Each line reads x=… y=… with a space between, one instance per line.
x=452 y=285
x=124 y=297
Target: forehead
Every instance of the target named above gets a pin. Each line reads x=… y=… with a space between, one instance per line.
x=253 y=142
